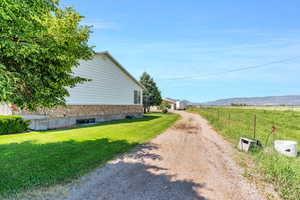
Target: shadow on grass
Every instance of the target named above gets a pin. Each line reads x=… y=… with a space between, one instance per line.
x=126 y=180
x=29 y=165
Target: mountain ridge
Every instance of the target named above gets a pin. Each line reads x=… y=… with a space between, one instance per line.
x=289 y=100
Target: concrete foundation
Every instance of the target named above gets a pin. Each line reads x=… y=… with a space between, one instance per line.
x=46 y=123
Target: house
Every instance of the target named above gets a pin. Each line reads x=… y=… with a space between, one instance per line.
x=112 y=94
x=175 y=104
x=181 y=105
x=171 y=102
x=5 y=109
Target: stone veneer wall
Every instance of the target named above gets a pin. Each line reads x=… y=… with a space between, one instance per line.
x=84 y=110
x=64 y=117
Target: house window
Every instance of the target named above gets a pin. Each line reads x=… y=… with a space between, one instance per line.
x=137 y=97
x=86 y=121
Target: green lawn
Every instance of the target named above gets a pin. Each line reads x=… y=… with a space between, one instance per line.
x=283 y=172
x=36 y=159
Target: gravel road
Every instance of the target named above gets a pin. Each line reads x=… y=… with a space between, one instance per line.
x=190 y=161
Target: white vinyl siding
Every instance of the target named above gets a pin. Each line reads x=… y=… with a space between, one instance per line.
x=109 y=85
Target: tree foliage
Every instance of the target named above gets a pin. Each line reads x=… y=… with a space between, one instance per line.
x=152 y=95
x=40 y=43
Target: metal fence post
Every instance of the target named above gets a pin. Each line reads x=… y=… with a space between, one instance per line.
x=254 y=127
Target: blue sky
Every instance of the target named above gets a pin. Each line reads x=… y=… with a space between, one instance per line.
x=173 y=38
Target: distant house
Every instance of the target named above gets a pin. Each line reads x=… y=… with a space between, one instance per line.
x=175 y=104
x=181 y=105
x=171 y=102
x=113 y=93
x=5 y=109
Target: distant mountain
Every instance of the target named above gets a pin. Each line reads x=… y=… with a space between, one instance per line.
x=290 y=100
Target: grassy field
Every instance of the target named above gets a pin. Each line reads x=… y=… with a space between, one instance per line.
x=280 y=108
x=233 y=123
x=36 y=159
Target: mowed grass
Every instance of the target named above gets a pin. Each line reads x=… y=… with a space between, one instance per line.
x=35 y=159
x=283 y=172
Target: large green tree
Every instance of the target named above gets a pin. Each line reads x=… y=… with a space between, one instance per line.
x=40 y=43
x=151 y=94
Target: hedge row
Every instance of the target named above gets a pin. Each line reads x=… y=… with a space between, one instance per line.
x=13 y=124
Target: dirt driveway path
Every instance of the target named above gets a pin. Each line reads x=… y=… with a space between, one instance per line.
x=189 y=161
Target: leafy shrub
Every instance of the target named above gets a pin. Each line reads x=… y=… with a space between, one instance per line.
x=165 y=110
x=13 y=124
x=164 y=107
